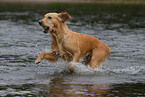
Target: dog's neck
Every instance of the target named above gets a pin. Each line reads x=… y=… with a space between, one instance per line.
x=58 y=36
x=62 y=32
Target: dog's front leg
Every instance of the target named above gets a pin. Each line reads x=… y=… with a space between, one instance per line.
x=76 y=58
x=51 y=56
x=38 y=60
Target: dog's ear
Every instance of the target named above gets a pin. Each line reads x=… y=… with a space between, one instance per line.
x=64 y=16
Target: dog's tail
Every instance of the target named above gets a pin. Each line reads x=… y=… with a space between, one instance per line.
x=108 y=51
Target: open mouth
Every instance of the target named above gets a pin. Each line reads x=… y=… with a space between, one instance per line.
x=45 y=29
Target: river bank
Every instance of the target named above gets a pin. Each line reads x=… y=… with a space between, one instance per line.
x=80 y=1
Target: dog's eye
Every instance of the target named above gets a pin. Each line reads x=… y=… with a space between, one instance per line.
x=49 y=17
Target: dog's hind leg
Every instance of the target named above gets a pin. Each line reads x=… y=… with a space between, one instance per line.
x=99 y=55
x=87 y=58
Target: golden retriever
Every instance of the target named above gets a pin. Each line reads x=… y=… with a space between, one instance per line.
x=70 y=45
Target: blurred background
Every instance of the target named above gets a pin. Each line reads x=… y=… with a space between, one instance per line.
x=82 y=1
x=118 y=23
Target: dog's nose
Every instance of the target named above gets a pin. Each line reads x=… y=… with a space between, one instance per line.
x=40 y=22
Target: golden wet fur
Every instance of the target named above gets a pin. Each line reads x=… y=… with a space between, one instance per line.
x=72 y=45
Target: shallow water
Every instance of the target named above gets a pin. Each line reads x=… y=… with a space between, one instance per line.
x=121 y=27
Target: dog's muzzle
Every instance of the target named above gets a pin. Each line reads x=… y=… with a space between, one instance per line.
x=46 y=28
x=40 y=22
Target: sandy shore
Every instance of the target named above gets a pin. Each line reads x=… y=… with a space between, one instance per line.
x=81 y=1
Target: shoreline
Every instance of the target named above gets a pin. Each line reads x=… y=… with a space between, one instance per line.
x=76 y=1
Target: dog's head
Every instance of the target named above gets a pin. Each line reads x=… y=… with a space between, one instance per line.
x=52 y=21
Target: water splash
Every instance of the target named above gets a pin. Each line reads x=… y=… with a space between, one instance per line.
x=129 y=70
x=85 y=69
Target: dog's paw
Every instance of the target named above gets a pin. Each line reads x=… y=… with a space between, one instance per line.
x=37 y=61
x=71 y=69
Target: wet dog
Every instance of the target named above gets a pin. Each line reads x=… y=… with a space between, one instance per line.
x=70 y=45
